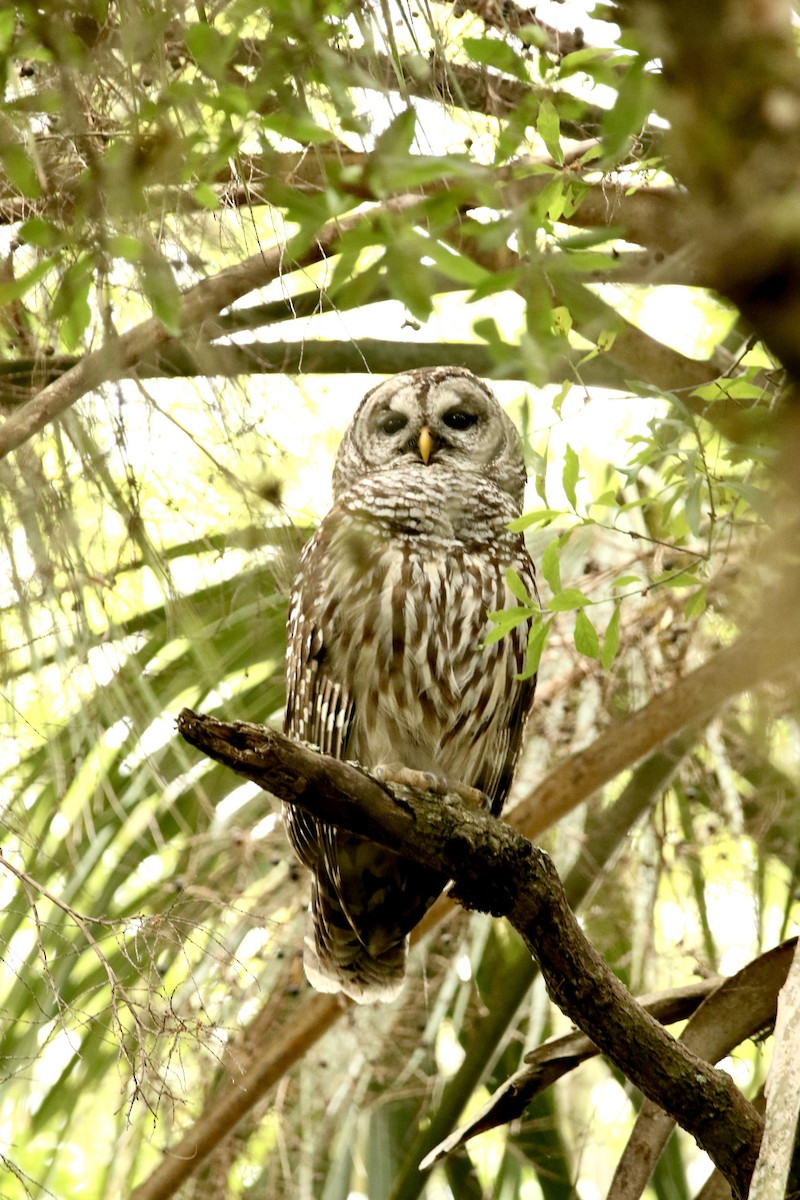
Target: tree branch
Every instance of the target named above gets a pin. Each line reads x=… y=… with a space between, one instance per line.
x=119 y=355
x=731 y=84
x=190 y=358
x=496 y=870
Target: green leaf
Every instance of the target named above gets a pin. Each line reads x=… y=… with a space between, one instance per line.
x=18 y=166
x=562 y=393
x=550 y=565
x=537 y=639
x=456 y=266
x=205 y=195
x=505 y=619
x=397 y=138
x=693 y=507
x=12 y=289
x=548 y=127
x=298 y=127
x=517 y=587
x=677 y=579
x=606 y=500
x=38 y=232
x=611 y=639
x=606 y=339
x=71 y=301
x=210 y=49
x=516 y=128
x=491 y=52
x=570 y=475
x=127 y=247
x=562 y=322
x=498 y=281
x=631 y=108
x=161 y=290
x=540 y=516
x=696 y=603
x=585 y=636
x=567 y=599
x=407 y=276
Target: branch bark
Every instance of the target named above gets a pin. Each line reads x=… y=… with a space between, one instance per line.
x=498 y=871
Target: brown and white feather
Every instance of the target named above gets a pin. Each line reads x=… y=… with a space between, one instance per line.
x=385 y=656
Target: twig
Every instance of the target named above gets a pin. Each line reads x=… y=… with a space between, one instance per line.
x=117 y=988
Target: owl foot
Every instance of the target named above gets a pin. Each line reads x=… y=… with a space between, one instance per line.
x=429 y=781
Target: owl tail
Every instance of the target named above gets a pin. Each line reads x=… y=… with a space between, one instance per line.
x=335 y=958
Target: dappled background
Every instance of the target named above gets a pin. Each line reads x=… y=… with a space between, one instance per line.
x=276 y=205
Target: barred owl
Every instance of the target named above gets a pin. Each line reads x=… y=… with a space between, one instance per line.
x=385 y=661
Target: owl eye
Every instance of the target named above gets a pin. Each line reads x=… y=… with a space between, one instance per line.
x=393 y=422
x=459 y=419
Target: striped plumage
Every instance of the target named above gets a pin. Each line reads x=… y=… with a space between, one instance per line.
x=384 y=660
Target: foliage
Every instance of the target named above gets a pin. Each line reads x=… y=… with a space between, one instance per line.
x=214 y=217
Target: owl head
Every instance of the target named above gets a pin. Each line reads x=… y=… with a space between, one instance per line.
x=439 y=418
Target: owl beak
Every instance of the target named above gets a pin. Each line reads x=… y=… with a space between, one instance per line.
x=425 y=444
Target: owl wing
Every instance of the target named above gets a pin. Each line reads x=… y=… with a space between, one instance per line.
x=498 y=770
x=319 y=709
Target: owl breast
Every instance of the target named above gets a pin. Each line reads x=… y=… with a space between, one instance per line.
x=410 y=587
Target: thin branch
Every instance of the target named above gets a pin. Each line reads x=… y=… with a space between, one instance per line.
x=180 y=1161
x=117 y=987
x=496 y=870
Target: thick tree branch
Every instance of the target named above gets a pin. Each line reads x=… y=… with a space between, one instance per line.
x=496 y=870
x=190 y=358
x=731 y=83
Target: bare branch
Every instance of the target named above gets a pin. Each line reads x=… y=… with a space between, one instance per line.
x=310 y=1023
x=723 y=1012
x=496 y=870
x=739 y=1008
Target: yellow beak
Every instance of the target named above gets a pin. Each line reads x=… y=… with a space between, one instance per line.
x=425 y=443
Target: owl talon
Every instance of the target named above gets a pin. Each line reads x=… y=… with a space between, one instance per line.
x=429 y=781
